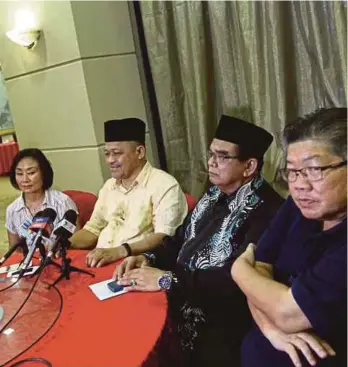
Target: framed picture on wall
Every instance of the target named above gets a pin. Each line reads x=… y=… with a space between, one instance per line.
x=7 y=132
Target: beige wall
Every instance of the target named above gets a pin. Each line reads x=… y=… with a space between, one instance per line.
x=83 y=71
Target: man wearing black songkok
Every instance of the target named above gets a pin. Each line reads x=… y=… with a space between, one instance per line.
x=137 y=207
x=194 y=265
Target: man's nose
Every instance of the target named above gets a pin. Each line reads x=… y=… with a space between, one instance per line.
x=212 y=162
x=302 y=183
x=110 y=159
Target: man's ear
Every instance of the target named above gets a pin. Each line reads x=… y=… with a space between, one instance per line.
x=250 y=167
x=141 y=151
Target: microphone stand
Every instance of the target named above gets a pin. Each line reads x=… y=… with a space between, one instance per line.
x=66 y=268
x=45 y=260
x=42 y=252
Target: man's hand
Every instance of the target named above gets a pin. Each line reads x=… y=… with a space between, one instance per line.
x=102 y=256
x=144 y=279
x=129 y=263
x=57 y=253
x=305 y=342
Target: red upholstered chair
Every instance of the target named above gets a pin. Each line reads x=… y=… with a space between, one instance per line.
x=7 y=152
x=84 y=201
x=191 y=201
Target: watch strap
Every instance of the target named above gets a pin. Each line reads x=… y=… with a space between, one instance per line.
x=128 y=248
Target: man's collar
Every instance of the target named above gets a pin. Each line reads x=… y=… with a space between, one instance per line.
x=141 y=179
x=255 y=183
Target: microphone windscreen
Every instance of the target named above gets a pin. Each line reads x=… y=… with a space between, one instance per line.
x=44 y=222
x=71 y=216
x=38 y=214
x=50 y=213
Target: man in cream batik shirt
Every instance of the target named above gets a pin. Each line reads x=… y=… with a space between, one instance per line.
x=137 y=207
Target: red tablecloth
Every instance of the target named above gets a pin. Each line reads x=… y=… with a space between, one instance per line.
x=120 y=331
x=7 y=153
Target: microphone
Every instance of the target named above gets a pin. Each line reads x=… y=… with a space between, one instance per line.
x=24 y=232
x=43 y=225
x=21 y=243
x=65 y=229
x=25 y=236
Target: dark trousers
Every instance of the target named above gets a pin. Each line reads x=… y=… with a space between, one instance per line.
x=214 y=347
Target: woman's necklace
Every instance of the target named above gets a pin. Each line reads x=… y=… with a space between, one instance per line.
x=33 y=210
x=35 y=206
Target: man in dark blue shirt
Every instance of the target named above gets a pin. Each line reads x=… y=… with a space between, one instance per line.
x=313 y=263
x=296 y=283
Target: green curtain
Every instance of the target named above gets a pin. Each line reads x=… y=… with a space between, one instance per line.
x=265 y=61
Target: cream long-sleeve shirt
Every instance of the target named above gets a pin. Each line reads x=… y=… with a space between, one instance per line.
x=154 y=203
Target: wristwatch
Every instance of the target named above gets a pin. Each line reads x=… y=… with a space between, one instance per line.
x=128 y=248
x=165 y=281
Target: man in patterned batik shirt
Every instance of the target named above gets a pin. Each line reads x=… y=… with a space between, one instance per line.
x=208 y=307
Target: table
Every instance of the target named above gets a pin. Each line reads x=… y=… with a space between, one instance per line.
x=7 y=153
x=120 y=331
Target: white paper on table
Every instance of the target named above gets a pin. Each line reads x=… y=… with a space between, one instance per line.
x=5 y=269
x=102 y=291
x=12 y=267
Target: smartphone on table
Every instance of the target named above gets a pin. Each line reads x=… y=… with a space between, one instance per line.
x=114 y=287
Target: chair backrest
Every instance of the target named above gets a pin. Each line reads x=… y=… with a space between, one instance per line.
x=84 y=201
x=191 y=201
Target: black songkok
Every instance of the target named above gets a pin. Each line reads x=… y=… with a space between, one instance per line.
x=130 y=129
x=254 y=139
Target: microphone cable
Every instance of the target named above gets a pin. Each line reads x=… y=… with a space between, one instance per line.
x=11 y=285
x=18 y=279
x=23 y=303
x=36 y=359
x=33 y=359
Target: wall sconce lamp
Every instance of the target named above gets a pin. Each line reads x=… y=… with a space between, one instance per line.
x=24 y=37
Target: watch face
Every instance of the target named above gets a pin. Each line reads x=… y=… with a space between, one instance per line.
x=165 y=281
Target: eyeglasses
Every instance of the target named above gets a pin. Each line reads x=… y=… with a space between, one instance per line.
x=312 y=174
x=220 y=158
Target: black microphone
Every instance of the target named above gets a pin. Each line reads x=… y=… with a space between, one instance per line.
x=43 y=225
x=22 y=243
x=25 y=236
x=65 y=229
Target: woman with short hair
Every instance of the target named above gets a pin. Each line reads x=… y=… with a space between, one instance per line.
x=32 y=174
x=296 y=282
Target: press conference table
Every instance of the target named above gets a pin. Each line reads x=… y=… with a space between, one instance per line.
x=119 y=331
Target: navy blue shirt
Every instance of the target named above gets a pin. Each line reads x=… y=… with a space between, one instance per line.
x=313 y=263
